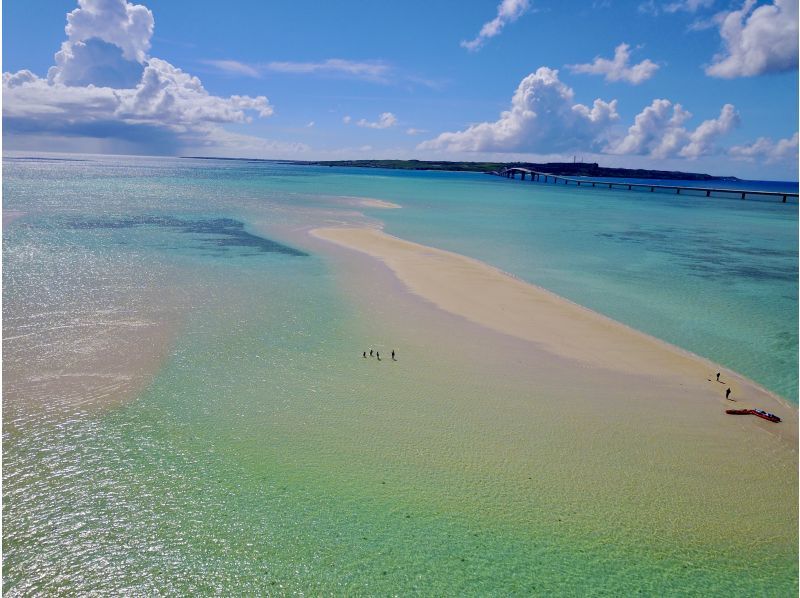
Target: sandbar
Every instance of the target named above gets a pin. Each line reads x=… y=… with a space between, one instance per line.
x=369 y=202
x=580 y=337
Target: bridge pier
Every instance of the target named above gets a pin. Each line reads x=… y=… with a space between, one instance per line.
x=708 y=193
x=743 y=194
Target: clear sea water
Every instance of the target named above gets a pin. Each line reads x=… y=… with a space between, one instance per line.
x=249 y=454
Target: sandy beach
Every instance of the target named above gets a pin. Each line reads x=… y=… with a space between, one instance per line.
x=577 y=337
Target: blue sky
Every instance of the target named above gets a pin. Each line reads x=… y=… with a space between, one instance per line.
x=697 y=85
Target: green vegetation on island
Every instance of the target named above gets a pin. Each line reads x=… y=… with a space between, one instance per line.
x=584 y=169
x=587 y=169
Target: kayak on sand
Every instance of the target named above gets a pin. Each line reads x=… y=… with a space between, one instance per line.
x=757 y=412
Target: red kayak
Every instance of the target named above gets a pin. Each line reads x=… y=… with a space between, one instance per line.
x=757 y=412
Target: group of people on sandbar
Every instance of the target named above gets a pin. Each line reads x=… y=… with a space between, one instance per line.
x=373 y=353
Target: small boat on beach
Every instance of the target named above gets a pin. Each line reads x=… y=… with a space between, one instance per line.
x=757 y=412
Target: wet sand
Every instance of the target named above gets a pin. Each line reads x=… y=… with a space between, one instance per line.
x=71 y=360
x=115 y=369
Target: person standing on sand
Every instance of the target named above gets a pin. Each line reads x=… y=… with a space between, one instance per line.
x=370 y=352
x=727 y=393
x=364 y=354
x=378 y=354
x=717 y=376
x=393 y=359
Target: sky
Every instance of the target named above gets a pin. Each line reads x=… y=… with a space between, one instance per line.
x=694 y=85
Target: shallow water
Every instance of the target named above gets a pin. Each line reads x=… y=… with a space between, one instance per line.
x=264 y=454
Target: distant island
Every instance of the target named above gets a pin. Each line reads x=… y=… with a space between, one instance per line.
x=587 y=169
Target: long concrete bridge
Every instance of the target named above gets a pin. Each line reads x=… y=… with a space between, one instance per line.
x=535 y=175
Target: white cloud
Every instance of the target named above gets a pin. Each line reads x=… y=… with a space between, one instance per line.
x=28 y=97
x=765 y=149
x=106 y=39
x=701 y=140
x=757 y=41
x=688 y=5
x=169 y=95
x=508 y=11
x=222 y=143
x=234 y=67
x=19 y=78
x=94 y=62
x=127 y=26
x=346 y=120
x=165 y=97
x=385 y=120
x=365 y=70
x=413 y=131
x=373 y=71
x=618 y=69
x=658 y=131
x=655 y=8
x=706 y=23
x=104 y=85
x=543 y=118
x=310 y=124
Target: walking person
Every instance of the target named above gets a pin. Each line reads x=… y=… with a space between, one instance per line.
x=727 y=393
x=370 y=352
x=393 y=359
x=364 y=354
x=717 y=376
x=378 y=354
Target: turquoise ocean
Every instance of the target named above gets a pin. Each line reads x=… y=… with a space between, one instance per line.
x=182 y=412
